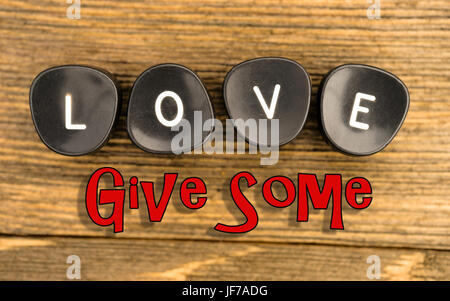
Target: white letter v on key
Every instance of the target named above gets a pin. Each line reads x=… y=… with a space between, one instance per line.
x=269 y=111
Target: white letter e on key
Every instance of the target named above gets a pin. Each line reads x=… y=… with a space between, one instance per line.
x=357 y=108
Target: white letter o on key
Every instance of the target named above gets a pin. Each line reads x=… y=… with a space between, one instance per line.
x=174 y=96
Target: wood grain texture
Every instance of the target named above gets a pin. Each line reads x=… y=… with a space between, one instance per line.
x=125 y=259
x=42 y=193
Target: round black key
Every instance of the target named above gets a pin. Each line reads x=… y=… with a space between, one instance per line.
x=74 y=108
x=362 y=108
x=268 y=89
x=164 y=102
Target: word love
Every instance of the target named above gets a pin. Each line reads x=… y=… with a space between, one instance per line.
x=74 y=108
x=193 y=195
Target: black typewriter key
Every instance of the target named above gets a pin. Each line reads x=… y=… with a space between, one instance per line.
x=167 y=110
x=267 y=89
x=74 y=108
x=362 y=108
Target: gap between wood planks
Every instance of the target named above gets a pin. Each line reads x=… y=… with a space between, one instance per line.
x=262 y=242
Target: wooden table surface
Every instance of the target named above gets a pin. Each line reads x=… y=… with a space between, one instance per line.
x=42 y=213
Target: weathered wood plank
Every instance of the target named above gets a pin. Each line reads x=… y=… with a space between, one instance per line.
x=113 y=259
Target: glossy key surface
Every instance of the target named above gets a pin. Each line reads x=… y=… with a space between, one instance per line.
x=163 y=100
x=362 y=108
x=74 y=108
x=269 y=88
